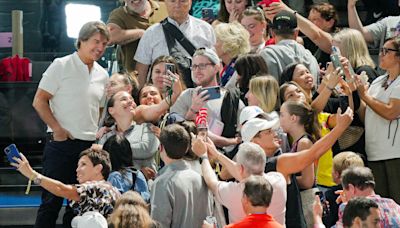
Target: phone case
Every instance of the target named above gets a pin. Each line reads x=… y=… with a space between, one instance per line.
x=266 y=3
x=11 y=151
x=213 y=92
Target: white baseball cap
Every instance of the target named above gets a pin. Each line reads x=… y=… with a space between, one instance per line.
x=90 y=219
x=255 y=125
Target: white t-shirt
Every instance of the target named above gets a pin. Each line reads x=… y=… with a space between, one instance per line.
x=382 y=136
x=77 y=94
x=153 y=43
x=230 y=194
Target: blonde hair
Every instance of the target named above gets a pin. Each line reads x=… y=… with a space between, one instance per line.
x=354 y=47
x=255 y=12
x=234 y=37
x=266 y=89
x=346 y=160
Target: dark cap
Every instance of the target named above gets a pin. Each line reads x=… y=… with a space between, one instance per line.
x=284 y=20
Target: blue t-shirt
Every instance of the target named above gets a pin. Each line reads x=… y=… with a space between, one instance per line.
x=123 y=182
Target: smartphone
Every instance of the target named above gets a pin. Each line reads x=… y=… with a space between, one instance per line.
x=335 y=58
x=364 y=77
x=324 y=203
x=170 y=67
x=12 y=151
x=266 y=3
x=207 y=13
x=214 y=92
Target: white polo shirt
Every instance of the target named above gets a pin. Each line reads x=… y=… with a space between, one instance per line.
x=77 y=94
x=153 y=43
x=230 y=195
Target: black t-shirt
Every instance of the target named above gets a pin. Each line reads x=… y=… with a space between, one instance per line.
x=294 y=211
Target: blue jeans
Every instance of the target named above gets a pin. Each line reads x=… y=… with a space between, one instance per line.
x=60 y=161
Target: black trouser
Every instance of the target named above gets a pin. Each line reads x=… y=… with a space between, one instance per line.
x=60 y=161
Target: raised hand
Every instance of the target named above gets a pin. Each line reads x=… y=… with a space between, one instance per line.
x=344 y=120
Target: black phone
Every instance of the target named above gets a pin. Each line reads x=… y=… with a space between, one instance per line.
x=11 y=151
x=214 y=92
x=207 y=13
x=324 y=203
x=170 y=67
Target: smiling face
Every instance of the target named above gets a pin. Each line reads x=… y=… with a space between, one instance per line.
x=157 y=75
x=124 y=106
x=303 y=77
x=116 y=84
x=294 y=94
x=255 y=28
x=316 y=18
x=86 y=171
x=204 y=77
x=178 y=9
x=92 y=49
x=137 y=6
x=268 y=140
x=149 y=95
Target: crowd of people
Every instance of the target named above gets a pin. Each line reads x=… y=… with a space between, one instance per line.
x=257 y=117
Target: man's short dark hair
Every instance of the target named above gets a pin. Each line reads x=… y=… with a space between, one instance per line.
x=357 y=207
x=176 y=141
x=360 y=177
x=258 y=190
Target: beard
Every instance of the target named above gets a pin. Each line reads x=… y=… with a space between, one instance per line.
x=137 y=9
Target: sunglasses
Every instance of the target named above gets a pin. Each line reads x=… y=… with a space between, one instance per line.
x=385 y=51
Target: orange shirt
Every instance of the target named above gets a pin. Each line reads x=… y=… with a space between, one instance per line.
x=256 y=220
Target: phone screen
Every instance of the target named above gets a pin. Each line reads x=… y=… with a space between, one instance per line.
x=12 y=151
x=213 y=92
x=170 y=67
x=207 y=13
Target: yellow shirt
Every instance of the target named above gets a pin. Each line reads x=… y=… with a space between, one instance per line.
x=325 y=162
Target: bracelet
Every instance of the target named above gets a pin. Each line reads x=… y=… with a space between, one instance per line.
x=203 y=157
x=331 y=89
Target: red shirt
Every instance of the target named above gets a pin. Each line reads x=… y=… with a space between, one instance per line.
x=256 y=220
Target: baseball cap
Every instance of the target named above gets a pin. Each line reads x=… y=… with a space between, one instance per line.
x=209 y=53
x=90 y=219
x=253 y=126
x=250 y=112
x=284 y=20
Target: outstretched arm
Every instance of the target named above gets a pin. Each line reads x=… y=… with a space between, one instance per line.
x=319 y=37
x=355 y=22
x=289 y=163
x=54 y=186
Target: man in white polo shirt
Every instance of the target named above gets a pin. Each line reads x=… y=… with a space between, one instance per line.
x=68 y=101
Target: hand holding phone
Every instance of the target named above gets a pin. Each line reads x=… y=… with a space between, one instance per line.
x=324 y=203
x=208 y=14
x=214 y=92
x=11 y=151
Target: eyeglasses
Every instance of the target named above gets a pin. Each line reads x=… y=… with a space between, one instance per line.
x=201 y=66
x=385 y=51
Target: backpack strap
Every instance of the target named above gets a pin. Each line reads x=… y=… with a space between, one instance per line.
x=172 y=33
x=133 y=171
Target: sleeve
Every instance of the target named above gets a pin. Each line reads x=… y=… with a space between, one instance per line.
x=115 y=18
x=144 y=51
x=377 y=29
x=183 y=103
x=51 y=78
x=141 y=186
x=115 y=180
x=161 y=204
x=272 y=63
x=395 y=92
x=146 y=142
x=228 y=194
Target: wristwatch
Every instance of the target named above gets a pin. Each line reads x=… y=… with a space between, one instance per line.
x=203 y=157
x=38 y=179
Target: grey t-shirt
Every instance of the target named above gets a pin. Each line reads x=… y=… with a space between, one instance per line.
x=383 y=29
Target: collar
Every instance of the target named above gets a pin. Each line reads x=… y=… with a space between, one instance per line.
x=172 y=21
